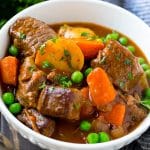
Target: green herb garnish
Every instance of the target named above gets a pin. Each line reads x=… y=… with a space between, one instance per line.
x=42 y=86
x=54 y=39
x=46 y=64
x=130 y=76
x=127 y=61
x=85 y=34
x=22 y=36
x=32 y=68
x=41 y=50
x=146 y=103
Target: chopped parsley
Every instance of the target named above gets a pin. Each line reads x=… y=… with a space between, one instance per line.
x=85 y=34
x=41 y=50
x=54 y=39
x=22 y=36
x=32 y=68
x=42 y=86
x=63 y=80
x=46 y=65
x=127 y=61
x=130 y=76
x=67 y=57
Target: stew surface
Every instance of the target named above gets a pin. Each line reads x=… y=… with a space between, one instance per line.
x=75 y=82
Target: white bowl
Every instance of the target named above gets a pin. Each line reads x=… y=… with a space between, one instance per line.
x=80 y=11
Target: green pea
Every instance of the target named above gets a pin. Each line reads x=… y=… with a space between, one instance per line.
x=15 y=108
x=145 y=67
x=104 y=137
x=85 y=125
x=147 y=92
x=147 y=72
x=108 y=37
x=131 y=48
x=93 y=138
x=13 y=50
x=115 y=35
x=87 y=71
x=141 y=60
x=123 y=41
x=8 y=98
x=77 y=77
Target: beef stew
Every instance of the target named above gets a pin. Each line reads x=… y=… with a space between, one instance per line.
x=76 y=82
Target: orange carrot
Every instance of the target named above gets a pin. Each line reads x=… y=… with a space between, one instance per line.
x=85 y=92
x=116 y=115
x=9 y=66
x=101 y=89
x=89 y=48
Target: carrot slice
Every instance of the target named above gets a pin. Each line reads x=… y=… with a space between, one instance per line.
x=9 y=67
x=116 y=116
x=89 y=48
x=100 y=87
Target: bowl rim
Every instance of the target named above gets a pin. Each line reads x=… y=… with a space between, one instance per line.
x=9 y=117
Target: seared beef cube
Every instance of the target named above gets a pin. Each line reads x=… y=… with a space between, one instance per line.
x=37 y=122
x=100 y=124
x=120 y=64
x=135 y=111
x=30 y=81
x=60 y=102
x=28 y=34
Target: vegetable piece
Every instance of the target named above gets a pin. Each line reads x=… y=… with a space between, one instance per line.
x=145 y=67
x=87 y=71
x=89 y=48
x=85 y=92
x=92 y=138
x=77 y=77
x=112 y=36
x=131 y=48
x=103 y=137
x=9 y=67
x=100 y=87
x=85 y=125
x=147 y=72
x=116 y=115
x=146 y=103
x=13 y=50
x=147 y=92
x=141 y=60
x=15 y=108
x=75 y=32
x=63 y=55
x=123 y=41
x=8 y=98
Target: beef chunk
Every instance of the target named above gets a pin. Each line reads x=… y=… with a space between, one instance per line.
x=100 y=124
x=136 y=112
x=28 y=34
x=37 y=122
x=120 y=64
x=30 y=80
x=60 y=102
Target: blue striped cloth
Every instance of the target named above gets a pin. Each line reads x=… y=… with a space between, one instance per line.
x=142 y=9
